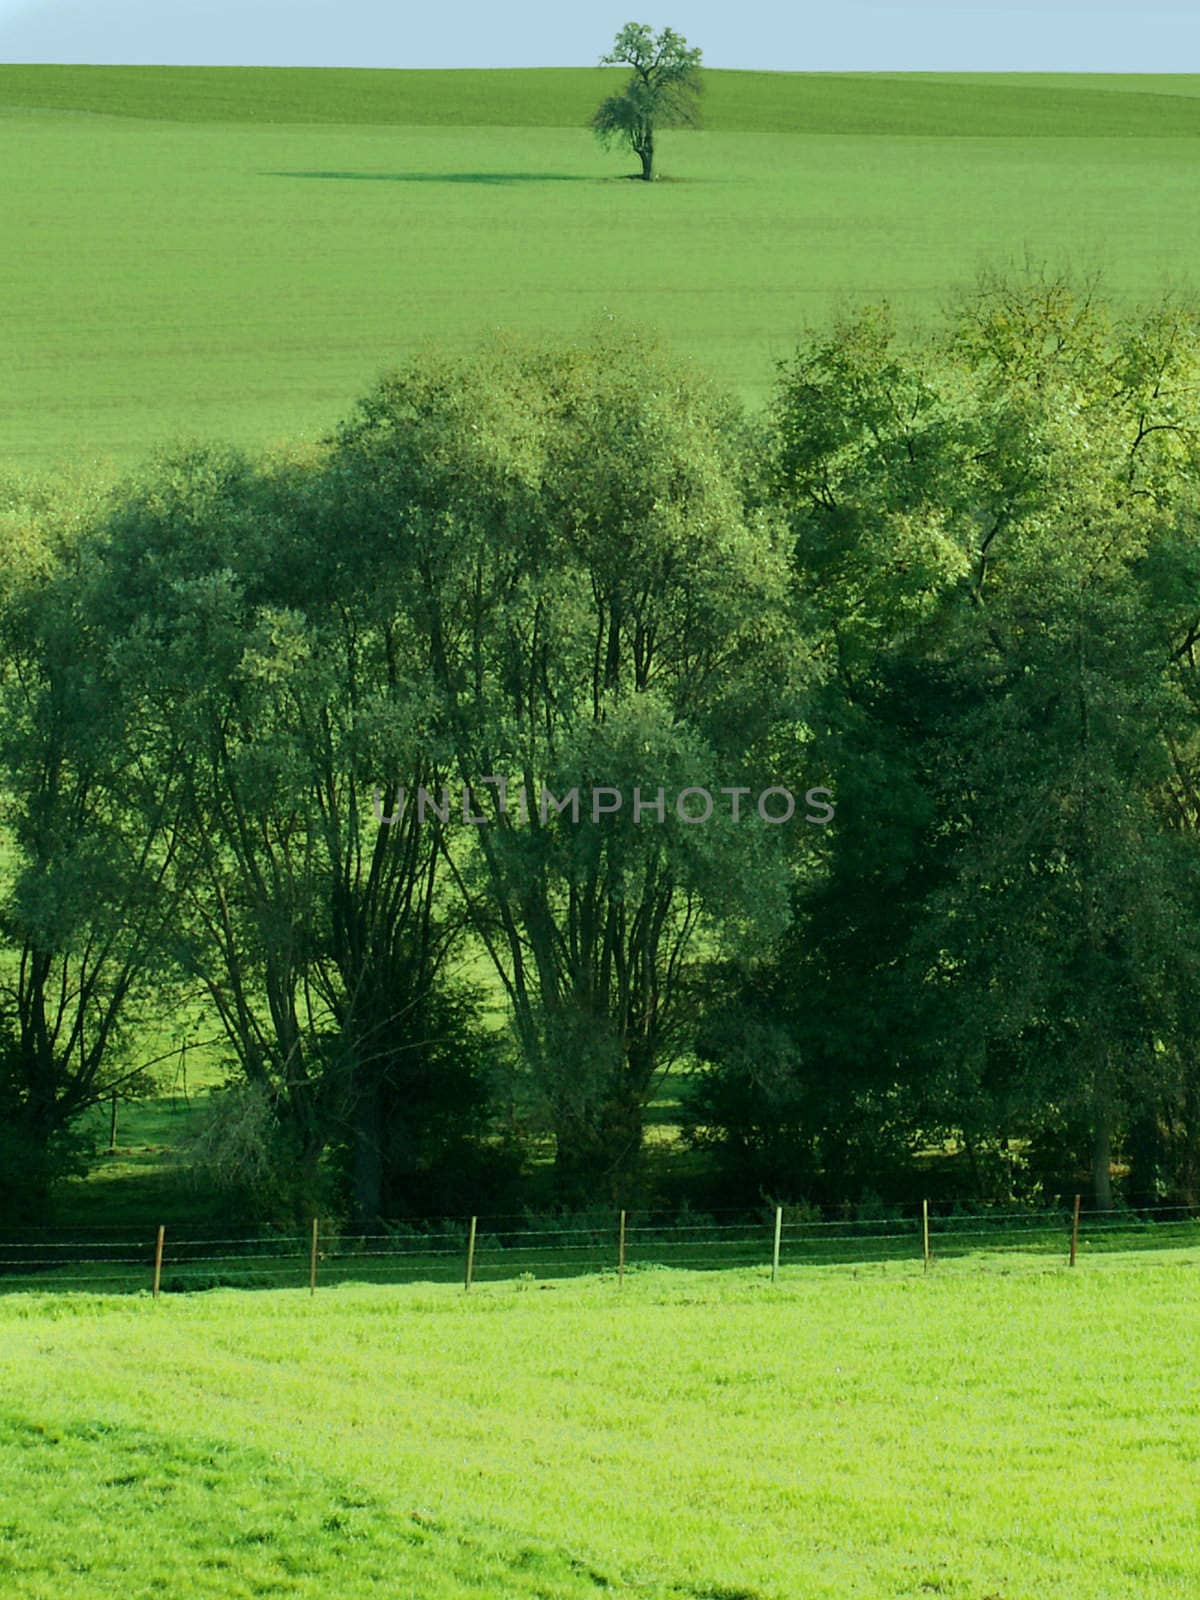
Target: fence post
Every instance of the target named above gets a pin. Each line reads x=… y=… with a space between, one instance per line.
x=621 y=1252
x=158 y=1255
x=1075 y=1232
x=925 y=1234
x=470 y=1257
x=312 y=1260
x=775 y=1251
x=112 y=1126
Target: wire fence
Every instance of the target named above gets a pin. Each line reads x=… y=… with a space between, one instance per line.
x=473 y=1250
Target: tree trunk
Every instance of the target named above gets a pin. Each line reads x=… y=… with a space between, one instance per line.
x=26 y=1171
x=973 y=1163
x=1188 y=1176
x=368 y=1162
x=1146 y=1146
x=647 y=154
x=1102 y=1159
x=306 y=1177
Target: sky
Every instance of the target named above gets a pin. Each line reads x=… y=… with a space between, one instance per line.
x=786 y=35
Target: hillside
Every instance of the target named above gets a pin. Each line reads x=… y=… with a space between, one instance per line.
x=236 y=254
x=929 y=105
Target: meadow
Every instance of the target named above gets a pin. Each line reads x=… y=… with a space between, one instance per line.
x=236 y=253
x=976 y=1435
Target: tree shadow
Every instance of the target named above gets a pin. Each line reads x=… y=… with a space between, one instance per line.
x=439 y=177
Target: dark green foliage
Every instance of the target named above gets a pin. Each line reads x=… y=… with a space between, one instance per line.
x=780 y=1128
x=423 y=1140
x=994 y=539
x=661 y=92
x=590 y=602
x=87 y=840
x=31 y=1164
x=957 y=582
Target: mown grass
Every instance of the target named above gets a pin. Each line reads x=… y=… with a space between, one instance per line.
x=971 y=1435
x=174 y=268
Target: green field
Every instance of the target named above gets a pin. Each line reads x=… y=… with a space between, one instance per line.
x=977 y=1435
x=237 y=253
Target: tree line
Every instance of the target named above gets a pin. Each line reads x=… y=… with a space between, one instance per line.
x=954 y=580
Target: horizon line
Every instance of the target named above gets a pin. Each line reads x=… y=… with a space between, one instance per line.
x=781 y=72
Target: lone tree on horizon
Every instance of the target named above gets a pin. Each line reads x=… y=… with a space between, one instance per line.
x=662 y=91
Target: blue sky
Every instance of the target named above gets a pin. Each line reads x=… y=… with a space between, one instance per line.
x=887 y=35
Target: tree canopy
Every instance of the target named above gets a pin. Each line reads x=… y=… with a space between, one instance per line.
x=955 y=580
x=662 y=91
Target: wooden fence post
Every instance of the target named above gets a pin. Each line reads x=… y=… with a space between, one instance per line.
x=775 y=1251
x=925 y=1234
x=312 y=1260
x=1075 y=1232
x=470 y=1257
x=158 y=1255
x=621 y=1252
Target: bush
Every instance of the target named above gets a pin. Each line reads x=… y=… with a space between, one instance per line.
x=244 y=1154
x=30 y=1169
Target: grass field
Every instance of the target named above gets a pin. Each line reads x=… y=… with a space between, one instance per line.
x=236 y=254
x=980 y=1436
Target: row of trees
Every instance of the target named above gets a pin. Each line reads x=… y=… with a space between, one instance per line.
x=996 y=539
x=955 y=582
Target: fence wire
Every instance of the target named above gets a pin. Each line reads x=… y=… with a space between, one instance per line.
x=128 y=1260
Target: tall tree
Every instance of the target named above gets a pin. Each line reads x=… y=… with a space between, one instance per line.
x=662 y=91
x=1065 y=929
x=90 y=835
x=266 y=646
x=994 y=540
x=600 y=611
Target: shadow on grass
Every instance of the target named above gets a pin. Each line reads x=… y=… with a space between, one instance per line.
x=440 y=177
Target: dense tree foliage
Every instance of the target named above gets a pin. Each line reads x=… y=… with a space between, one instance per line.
x=316 y=740
x=273 y=663
x=996 y=537
x=88 y=843
x=592 y=606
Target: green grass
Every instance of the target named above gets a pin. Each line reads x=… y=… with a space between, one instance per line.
x=976 y=1435
x=141 y=1182
x=237 y=254
x=113 y=1251
x=953 y=105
